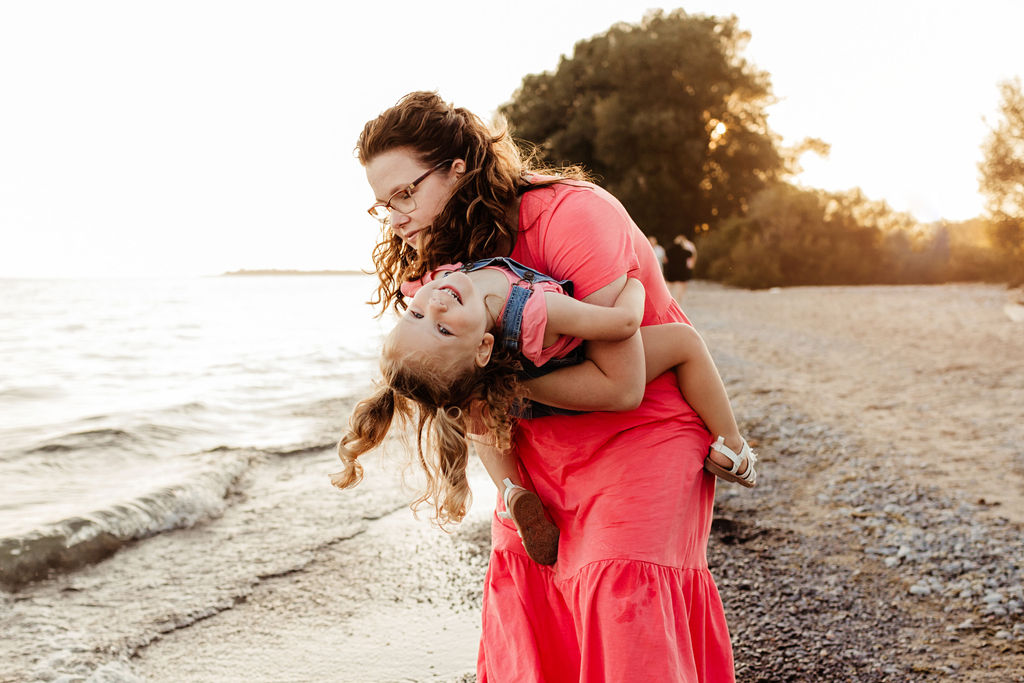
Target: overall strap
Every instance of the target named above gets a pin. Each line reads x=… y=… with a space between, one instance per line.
x=524 y=273
x=512 y=320
x=519 y=293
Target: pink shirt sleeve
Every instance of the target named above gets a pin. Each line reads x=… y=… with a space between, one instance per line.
x=576 y=232
x=535 y=321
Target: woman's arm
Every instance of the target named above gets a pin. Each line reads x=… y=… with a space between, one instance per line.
x=612 y=377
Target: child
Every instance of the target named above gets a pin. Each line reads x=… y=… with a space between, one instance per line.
x=441 y=365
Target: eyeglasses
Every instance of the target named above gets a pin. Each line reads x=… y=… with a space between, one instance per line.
x=401 y=201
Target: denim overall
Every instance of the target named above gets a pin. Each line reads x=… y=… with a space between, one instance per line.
x=511 y=333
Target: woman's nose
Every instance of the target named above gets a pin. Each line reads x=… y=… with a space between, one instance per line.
x=397 y=217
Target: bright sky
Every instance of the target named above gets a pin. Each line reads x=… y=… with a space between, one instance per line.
x=196 y=137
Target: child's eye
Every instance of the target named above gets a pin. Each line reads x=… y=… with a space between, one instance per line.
x=415 y=314
x=444 y=330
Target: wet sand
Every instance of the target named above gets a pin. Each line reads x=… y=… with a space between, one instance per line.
x=881 y=544
x=398 y=602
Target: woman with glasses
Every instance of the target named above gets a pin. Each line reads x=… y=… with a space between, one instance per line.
x=630 y=597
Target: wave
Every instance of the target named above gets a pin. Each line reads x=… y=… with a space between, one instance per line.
x=303 y=448
x=86 y=539
x=93 y=438
x=25 y=393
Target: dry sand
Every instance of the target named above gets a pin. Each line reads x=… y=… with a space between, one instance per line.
x=889 y=420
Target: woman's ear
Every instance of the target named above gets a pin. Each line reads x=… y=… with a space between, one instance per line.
x=459 y=167
x=483 y=351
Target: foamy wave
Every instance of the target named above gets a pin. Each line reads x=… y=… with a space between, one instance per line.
x=304 y=448
x=93 y=438
x=87 y=539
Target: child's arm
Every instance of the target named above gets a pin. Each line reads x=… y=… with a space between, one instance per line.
x=612 y=377
x=573 y=318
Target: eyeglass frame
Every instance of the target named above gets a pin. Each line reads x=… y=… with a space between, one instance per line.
x=408 y=189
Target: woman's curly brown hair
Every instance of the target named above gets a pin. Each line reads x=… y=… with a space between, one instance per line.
x=440 y=406
x=478 y=221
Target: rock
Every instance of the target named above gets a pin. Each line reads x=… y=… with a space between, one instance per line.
x=993 y=598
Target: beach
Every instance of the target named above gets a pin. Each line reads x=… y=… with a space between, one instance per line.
x=883 y=542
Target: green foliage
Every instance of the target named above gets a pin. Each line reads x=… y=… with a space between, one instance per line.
x=666 y=113
x=1002 y=179
x=793 y=236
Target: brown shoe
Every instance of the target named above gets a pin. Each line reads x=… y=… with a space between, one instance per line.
x=538 y=533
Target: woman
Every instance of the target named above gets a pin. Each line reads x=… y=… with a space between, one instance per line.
x=630 y=596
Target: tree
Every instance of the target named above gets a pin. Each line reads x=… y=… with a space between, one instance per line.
x=1002 y=178
x=796 y=236
x=667 y=115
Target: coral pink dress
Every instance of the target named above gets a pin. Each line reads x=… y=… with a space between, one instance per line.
x=631 y=597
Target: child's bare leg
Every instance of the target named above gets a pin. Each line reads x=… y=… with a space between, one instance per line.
x=523 y=507
x=500 y=464
x=679 y=346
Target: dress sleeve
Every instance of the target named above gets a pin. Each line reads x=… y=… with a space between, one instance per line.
x=535 y=322
x=584 y=236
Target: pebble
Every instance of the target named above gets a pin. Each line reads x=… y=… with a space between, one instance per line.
x=942 y=549
x=919 y=545
x=941 y=546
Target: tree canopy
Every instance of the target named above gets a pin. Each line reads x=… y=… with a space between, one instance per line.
x=799 y=236
x=1002 y=177
x=666 y=113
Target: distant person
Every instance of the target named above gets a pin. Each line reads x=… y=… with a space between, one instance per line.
x=682 y=258
x=659 y=252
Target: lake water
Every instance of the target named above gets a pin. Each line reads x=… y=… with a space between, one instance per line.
x=131 y=407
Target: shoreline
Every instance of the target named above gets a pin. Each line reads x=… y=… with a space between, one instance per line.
x=878 y=546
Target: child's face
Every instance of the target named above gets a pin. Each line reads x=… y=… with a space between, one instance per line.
x=448 y=318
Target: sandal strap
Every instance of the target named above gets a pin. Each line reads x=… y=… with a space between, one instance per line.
x=507 y=495
x=737 y=458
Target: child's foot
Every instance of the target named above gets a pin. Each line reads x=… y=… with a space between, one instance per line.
x=539 y=535
x=727 y=464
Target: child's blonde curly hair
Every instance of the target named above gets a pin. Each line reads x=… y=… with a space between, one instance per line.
x=445 y=406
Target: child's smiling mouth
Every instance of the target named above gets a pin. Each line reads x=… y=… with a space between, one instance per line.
x=452 y=291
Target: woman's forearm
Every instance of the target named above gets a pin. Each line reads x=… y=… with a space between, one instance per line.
x=612 y=378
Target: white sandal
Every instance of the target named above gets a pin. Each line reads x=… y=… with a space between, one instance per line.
x=539 y=535
x=748 y=478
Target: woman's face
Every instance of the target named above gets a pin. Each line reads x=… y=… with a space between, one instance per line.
x=393 y=171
